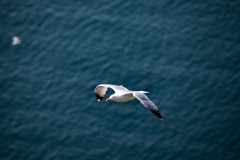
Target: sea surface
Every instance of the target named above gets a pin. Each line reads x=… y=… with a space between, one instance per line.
x=185 y=53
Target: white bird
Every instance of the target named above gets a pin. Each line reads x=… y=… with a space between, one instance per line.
x=15 y=41
x=122 y=94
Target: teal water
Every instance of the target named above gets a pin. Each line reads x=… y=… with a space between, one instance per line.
x=186 y=54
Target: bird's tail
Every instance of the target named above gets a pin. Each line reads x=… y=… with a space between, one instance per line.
x=143 y=92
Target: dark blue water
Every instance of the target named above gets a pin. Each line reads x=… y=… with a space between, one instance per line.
x=186 y=54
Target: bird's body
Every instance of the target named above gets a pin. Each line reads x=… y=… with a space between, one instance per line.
x=122 y=98
x=122 y=94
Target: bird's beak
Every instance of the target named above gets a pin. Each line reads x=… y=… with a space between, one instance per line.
x=108 y=99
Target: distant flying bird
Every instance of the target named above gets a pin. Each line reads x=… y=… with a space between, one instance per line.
x=122 y=94
x=15 y=41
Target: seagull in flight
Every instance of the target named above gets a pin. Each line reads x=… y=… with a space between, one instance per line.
x=122 y=94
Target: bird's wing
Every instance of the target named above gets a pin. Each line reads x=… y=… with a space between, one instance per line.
x=101 y=89
x=147 y=103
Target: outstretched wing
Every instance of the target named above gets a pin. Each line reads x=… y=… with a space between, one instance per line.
x=148 y=104
x=101 y=89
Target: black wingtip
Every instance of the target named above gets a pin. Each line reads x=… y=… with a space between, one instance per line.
x=157 y=113
x=99 y=98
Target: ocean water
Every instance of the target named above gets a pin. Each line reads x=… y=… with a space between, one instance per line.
x=186 y=54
